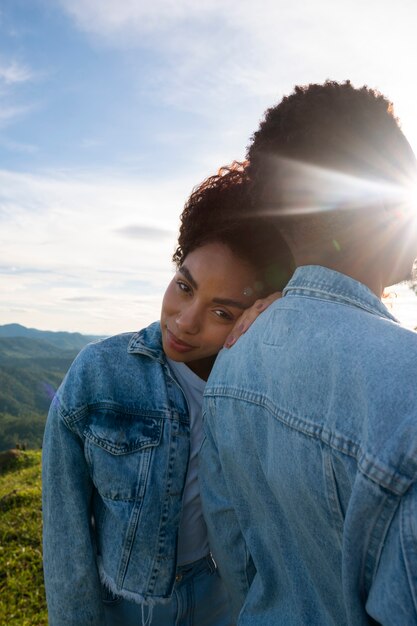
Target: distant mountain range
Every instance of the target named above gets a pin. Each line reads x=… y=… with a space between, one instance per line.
x=32 y=365
x=63 y=340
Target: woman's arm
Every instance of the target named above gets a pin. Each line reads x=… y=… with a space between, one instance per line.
x=72 y=584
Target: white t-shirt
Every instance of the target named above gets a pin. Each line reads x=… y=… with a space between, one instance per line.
x=192 y=537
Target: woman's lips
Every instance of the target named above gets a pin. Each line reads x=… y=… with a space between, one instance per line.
x=176 y=344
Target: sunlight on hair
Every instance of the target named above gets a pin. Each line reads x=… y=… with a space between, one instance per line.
x=295 y=189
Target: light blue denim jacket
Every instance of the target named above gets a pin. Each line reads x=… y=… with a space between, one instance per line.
x=115 y=456
x=308 y=471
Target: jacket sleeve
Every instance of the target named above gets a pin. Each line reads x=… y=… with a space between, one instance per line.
x=72 y=584
x=226 y=540
x=392 y=598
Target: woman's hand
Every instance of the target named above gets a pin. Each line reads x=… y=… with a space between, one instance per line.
x=248 y=317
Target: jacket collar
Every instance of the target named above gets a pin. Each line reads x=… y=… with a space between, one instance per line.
x=326 y=283
x=148 y=341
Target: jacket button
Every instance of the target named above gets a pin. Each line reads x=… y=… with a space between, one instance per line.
x=178 y=578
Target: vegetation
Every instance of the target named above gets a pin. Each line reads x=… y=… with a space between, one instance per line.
x=32 y=365
x=22 y=600
x=23 y=431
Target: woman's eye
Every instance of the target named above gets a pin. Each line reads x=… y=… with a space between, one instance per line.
x=224 y=315
x=183 y=286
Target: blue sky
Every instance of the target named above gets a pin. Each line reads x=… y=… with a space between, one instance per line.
x=111 y=111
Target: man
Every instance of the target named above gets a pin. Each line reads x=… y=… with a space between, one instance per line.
x=309 y=467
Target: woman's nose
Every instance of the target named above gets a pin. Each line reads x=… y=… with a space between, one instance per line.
x=188 y=320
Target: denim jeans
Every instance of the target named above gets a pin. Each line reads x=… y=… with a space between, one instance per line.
x=199 y=599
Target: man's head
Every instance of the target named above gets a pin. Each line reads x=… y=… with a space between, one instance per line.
x=331 y=162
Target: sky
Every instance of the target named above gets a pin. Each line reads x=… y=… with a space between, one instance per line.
x=112 y=110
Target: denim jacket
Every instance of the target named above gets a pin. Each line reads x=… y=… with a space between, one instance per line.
x=115 y=457
x=308 y=472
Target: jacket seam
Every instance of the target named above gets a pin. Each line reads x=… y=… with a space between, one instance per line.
x=366 y=464
x=338 y=297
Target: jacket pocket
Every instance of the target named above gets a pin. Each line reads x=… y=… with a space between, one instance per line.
x=119 y=448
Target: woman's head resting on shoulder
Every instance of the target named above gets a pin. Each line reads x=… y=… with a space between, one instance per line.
x=225 y=260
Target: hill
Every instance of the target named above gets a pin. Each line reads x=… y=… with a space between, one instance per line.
x=62 y=340
x=32 y=365
x=21 y=581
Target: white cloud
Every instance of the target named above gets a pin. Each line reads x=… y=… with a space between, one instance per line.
x=110 y=17
x=14 y=72
x=138 y=231
x=9 y=113
x=17 y=146
x=228 y=63
x=62 y=251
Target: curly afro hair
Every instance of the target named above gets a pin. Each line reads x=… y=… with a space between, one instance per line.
x=220 y=210
x=338 y=126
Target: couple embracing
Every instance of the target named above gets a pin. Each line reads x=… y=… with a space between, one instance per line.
x=288 y=496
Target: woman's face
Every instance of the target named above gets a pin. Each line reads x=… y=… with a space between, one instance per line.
x=202 y=303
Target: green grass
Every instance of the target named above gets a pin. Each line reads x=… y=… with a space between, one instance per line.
x=22 y=598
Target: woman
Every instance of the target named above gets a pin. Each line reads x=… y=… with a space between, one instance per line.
x=124 y=538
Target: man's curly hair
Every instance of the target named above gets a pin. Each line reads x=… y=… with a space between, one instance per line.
x=337 y=126
x=220 y=210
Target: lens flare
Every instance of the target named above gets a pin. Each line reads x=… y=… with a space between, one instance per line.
x=295 y=189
